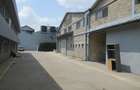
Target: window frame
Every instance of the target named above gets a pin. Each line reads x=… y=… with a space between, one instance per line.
x=65 y=30
x=101 y=13
x=69 y=28
x=78 y=25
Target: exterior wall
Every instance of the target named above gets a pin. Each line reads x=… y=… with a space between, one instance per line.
x=79 y=41
x=79 y=50
x=70 y=20
x=6 y=47
x=8 y=29
x=28 y=41
x=127 y=37
x=31 y=41
x=80 y=30
x=123 y=8
x=69 y=42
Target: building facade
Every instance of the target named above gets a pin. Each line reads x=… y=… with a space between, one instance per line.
x=110 y=35
x=43 y=40
x=47 y=38
x=114 y=35
x=70 y=40
x=9 y=29
x=28 y=40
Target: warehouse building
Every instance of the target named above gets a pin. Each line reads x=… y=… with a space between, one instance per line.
x=43 y=40
x=114 y=36
x=69 y=42
x=108 y=37
x=9 y=29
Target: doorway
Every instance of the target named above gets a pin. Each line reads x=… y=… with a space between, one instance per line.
x=97 y=45
x=47 y=47
x=113 y=54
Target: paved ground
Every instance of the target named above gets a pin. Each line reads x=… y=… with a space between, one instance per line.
x=49 y=71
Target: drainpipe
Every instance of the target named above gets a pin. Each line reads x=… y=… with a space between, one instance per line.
x=87 y=21
x=133 y=7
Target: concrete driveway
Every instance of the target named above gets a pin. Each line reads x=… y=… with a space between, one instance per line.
x=50 y=71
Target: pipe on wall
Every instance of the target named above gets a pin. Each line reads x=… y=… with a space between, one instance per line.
x=87 y=28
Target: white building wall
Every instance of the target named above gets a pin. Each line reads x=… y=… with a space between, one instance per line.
x=31 y=41
x=28 y=40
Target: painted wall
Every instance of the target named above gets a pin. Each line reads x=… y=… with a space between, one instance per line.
x=31 y=41
x=127 y=37
x=28 y=40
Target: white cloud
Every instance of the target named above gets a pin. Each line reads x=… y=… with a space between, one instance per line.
x=29 y=17
x=76 y=4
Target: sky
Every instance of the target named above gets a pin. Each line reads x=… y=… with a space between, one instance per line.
x=35 y=13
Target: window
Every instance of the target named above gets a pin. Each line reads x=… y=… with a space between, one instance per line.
x=65 y=30
x=137 y=1
x=78 y=24
x=44 y=28
x=73 y=45
x=82 y=45
x=79 y=45
x=69 y=28
x=83 y=22
x=102 y=13
x=111 y=51
x=76 y=46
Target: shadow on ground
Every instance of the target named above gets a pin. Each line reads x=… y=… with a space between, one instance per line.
x=28 y=74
